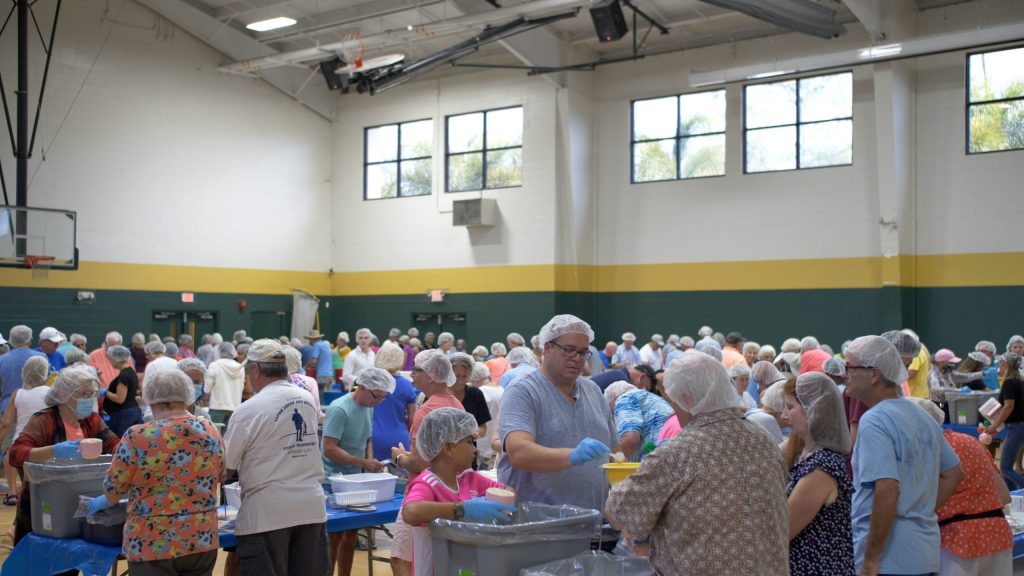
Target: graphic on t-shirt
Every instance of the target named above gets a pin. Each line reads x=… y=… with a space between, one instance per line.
x=300 y=426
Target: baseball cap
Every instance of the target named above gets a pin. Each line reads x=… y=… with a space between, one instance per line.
x=629 y=336
x=265 y=350
x=734 y=338
x=946 y=355
x=50 y=333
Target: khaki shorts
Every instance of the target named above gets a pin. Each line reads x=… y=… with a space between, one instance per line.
x=401 y=540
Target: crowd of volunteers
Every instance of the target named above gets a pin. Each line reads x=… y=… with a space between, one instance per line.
x=799 y=460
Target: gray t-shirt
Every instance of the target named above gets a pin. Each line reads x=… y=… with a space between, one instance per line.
x=534 y=405
x=767 y=422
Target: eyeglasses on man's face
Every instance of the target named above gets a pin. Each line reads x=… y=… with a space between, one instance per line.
x=851 y=367
x=570 y=352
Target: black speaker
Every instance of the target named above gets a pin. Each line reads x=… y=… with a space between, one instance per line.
x=609 y=22
x=334 y=80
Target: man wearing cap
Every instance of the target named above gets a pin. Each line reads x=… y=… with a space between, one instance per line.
x=272 y=444
x=347 y=448
x=49 y=340
x=650 y=354
x=732 y=353
x=642 y=376
x=321 y=360
x=626 y=355
x=555 y=425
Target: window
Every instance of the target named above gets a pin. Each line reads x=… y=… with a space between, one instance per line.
x=679 y=137
x=795 y=124
x=995 y=101
x=398 y=160
x=485 y=150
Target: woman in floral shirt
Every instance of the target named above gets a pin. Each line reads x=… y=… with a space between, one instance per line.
x=170 y=469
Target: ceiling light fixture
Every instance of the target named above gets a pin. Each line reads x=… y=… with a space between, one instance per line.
x=879 y=51
x=271 y=24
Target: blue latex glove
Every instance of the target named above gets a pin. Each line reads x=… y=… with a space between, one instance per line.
x=587 y=450
x=483 y=510
x=67 y=450
x=98 y=503
x=965 y=389
x=103 y=392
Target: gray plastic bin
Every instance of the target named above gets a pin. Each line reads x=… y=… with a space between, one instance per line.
x=539 y=533
x=593 y=563
x=963 y=406
x=55 y=488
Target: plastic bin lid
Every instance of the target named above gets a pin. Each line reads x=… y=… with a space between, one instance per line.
x=533 y=522
x=58 y=470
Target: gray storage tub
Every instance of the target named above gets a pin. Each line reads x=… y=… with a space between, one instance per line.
x=963 y=406
x=55 y=488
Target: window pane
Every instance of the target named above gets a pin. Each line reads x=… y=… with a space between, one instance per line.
x=826 y=97
x=466 y=132
x=381 y=180
x=997 y=126
x=654 y=160
x=505 y=128
x=416 y=177
x=702 y=113
x=417 y=139
x=382 y=143
x=826 y=144
x=465 y=172
x=771 y=149
x=997 y=75
x=654 y=118
x=701 y=156
x=505 y=168
x=771 y=104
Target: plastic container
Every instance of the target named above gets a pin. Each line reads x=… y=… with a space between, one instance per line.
x=964 y=406
x=593 y=563
x=990 y=407
x=233 y=495
x=538 y=533
x=90 y=448
x=55 y=488
x=354 y=498
x=619 y=471
x=381 y=482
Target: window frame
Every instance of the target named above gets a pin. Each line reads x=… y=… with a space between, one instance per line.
x=798 y=122
x=677 y=137
x=398 y=159
x=484 y=150
x=968 y=103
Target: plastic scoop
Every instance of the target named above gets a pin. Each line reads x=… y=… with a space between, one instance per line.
x=618 y=457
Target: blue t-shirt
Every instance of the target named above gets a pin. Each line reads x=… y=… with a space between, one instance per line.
x=514 y=374
x=898 y=440
x=673 y=355
x=630 y=356
x=57 y=361
x=644 y=413
x=606 y=379
x=752 y=389
x=10 y=371
x=350 y=424
x=306 y=351
x=605 y=359
x=389 y=419
x=324 y=360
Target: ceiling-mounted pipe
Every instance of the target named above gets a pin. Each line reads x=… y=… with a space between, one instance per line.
x=401 y=35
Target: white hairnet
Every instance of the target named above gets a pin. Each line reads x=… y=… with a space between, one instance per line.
x=169 y=386
x=774 y=398
x=480 y=375
x=766 y=350
x=686 y=341
x=390 y=357
x=628 y=336
x=906 y=344
x=834 y=367
x=443 y=426
x=186 y=364
x=170 y=349
x=498 y=349
x=435 y=364
x=931 y=408
x=155 y=347
x=1015 y=339
x=698 y=383
x=564 y=324
x=705 y=331
x=738 y=370
x=616 y=389
x=35 y=372
x=376 y=379
x=880 y=354
x=69 y=382
x=292 y=359
x=791 y=360
x=226 y=350
x=986 y=346
x=809 y=343
x=480 y=351
x=826 y=418
x=75 y=355
x=515 y=338
x=520 y=355
x=118 y=353
x=980 y=358
x=710 y=347
x=791 y=345
x=445 y=337
x=765 y=373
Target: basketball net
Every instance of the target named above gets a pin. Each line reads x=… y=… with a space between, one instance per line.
x=352 y=49
x=40 y=266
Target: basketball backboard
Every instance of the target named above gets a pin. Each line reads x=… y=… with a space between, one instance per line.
x=28 y=234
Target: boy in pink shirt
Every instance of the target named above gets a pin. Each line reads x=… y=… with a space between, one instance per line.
x=449 y=488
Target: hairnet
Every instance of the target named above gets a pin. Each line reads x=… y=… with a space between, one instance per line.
x=462 y=359
x=686 y=341
x=737 y=370
x=118 y=353
x=834 y=367
x=515 y=338
x=226 y=350
x=705 y=331
x=480 y=375
x=35 y=372
x=1015 y=339
x=906 y=344
x=292 y=359
x=698 y=383
x=826 y=418
x=186 y=364
x=376 y=379
x=790 y=345
x=415 y=342
x=774 y=398
x=394 y=332
x=75 y=355
x=185 y=339
x=435 y=364
x=710 y=347
x=520 y=355
x=809 y=343
x=986 y=346
x=931 y=408
x=480 y=351
x=364 y=332
x=413 y=332
x=765 y=373
x=980 y=358
x=564 y=324
x=766 y=349
x=628 y=336
x=76 y=337
x=170 y=349
x=792 y=361
x=69 y=381
x=238 y=336
x=216 y=339
x=616 y=389
x=751 y=346
x=390 y=357
x=443 y=426
x=243 y=348
x=155 y=347
x=344 y=335
x=169 y=386
x=498 y=349
x=535 y=341
x=445 y=337
x=673 y=339
x=19 y=335
x=880 y=354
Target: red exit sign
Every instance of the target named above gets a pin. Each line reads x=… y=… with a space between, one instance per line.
x=188 y=297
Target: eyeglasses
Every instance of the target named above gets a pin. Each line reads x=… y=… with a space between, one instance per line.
x=471 y=440
x=850 y=367
x=383 y=394
x=583 y=354
x=415 y=370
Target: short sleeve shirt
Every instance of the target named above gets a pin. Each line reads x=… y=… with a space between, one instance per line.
x=390 y=419
x=642 y=412
x=324 y=361
x=475 y=403
x=350 y=424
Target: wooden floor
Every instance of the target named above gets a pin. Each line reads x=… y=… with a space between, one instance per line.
x=359 y=569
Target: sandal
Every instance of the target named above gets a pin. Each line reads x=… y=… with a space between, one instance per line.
x=11 y=500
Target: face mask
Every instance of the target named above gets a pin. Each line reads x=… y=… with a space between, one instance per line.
x=84 y=408
x=199 y=391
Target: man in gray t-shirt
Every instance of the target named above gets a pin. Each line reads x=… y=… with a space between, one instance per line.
x=555 y=426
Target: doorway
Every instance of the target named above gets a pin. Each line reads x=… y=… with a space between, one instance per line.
x=175 y=323
x=270 y=324
x=454 y=322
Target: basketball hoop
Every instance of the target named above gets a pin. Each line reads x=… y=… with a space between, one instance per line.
x=352 y=49
x=40 y=266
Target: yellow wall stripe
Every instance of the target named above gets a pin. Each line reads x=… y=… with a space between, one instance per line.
x=948 y=270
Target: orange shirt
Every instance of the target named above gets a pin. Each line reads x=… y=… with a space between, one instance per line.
x=976 y=494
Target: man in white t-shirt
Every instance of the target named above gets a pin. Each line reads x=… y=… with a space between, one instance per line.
x=272 y=443
x=650 y=354
x=360 y=358
x=156 y=362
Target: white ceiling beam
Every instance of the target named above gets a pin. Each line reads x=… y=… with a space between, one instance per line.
x=296 y=82
x=869 y=12
x=344 y=17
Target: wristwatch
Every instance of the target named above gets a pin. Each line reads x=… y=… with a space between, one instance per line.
x=459 y=511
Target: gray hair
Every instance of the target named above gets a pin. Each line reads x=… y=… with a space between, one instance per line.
x=75 y=355
x=113 y=339
x=515 y=339
x=364 y=332
x=138 y=339
x=498 y=349
x=446 y=337
x=76 y=337
x=238 y=336
x=464 y=360
x=184 y=339
x=809 y=343
x=155 y=347
x=20 y=336
x=118 y=353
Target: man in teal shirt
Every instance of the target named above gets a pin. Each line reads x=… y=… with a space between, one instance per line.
x=348 y=422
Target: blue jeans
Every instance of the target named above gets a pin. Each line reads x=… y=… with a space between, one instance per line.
x=1014 y=440
x=125 y=418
